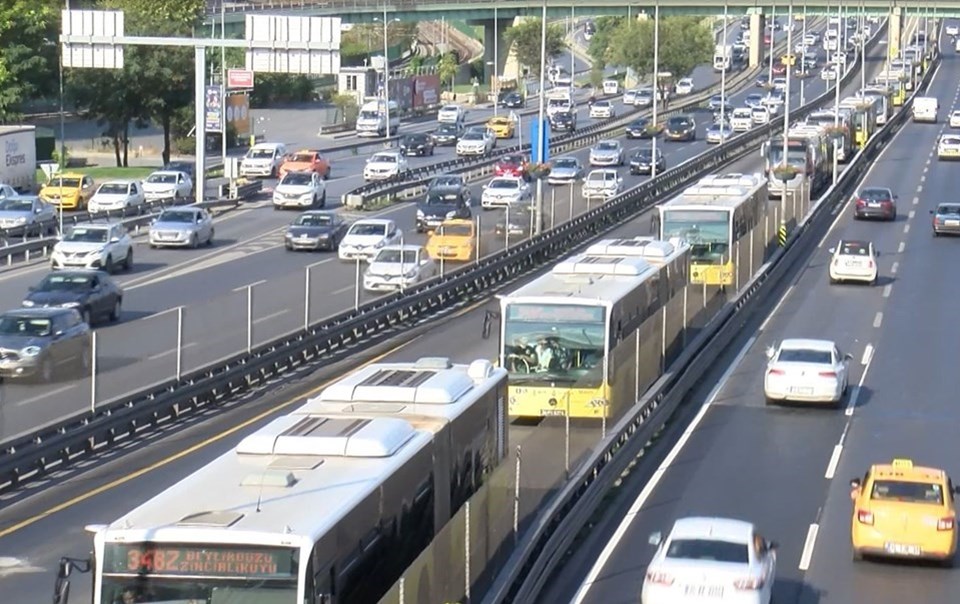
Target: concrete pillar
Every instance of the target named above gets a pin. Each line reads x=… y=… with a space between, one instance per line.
x=500 y=49
x=757 y=29
x=894 y=32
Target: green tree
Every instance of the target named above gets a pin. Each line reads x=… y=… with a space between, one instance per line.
x=631 y=45
x=28 y=52
x=447 y=68
x=526 y=39
x=599 y=47
x=685 y=42
x=112 y=100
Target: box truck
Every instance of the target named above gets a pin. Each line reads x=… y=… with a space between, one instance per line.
x=19 y=166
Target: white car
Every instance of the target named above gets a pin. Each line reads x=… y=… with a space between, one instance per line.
x=853 y=260
x=476 y=141
x=779 y=84
x=955 y=118
x=384 y=165
x=167 y=184
x=103 y=246
x=718 y=132
x=602 y=110
x=116 y=195
x=505 y=191
x=263 y=160
x=948 y=147
x=717 y=560
x=811 y=39
x=451 y=114
x=952 y=29
x=742 y=119
x=774 y=100
x=956 y=45
x=366 y=237
x=299 y=190
x=602 y=184
x=760 y=115
x=829 y=72
x=839 y=58
x=607 y=153
x=802 y=370
x=397 y=267
x=630 y=96
x=684 y=86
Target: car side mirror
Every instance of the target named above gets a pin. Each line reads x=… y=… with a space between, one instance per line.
x=115 y=240
x=770 y=352
x=655 y=538
x=58 y=333
x=832 y=250
x=773 y=545
x=855 y=483
x=848 y=357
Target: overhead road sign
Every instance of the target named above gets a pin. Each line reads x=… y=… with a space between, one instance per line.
x=103 y=24
x=306 y=45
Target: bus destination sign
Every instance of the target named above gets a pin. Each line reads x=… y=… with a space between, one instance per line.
x=199 y=560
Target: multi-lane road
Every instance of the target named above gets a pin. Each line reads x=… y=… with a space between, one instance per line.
x=249 y=267
x=33 y=539
x=787 y=469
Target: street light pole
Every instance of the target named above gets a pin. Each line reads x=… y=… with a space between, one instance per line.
x=723 y=76
x=656 y=88
x=496 y=61
x=223 y=81
x=836 y=99
x=386 y=75
x=803 y=58
x=541 y=130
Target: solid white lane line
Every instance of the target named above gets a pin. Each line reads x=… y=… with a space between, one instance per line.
x=878 y=319
x=894 y=267
x=867 y=355
x=901 y=247
x=855 y=394
x=34 y=399
x=648 y=489
x=886 y=290
x=834 y=462
x=343 y=290
x=783 y=299
x=273 y=315
x=808 y=546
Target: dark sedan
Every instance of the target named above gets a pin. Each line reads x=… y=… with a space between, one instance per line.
x=946 y=219
x=564 y=121
x=416 y=144
x=513 y=100
x=442 y=203
x=641 y=162
x=680 y=128
x=447 y=135
x=639 y=128
x=35 y=342
x=315 y=230
x=93 y=294
x=876 y=202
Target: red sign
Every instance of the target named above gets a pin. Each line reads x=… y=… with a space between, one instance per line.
x=239 y=78
x=426 y=91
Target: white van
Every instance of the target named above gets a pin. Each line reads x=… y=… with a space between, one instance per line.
x=611 y=87
x=372 y=119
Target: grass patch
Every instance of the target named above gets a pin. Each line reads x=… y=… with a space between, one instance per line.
x=378 y=204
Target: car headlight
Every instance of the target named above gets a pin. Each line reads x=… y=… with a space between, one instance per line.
x=95 y=252
x=451 y=214
x=28 y=303
x=380 y=244
x=410 y=273
x=70 y=305
x=20 y=220
x=31 y=351
x=420 y=214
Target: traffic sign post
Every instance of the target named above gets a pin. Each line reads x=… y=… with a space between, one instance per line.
x=93 y=39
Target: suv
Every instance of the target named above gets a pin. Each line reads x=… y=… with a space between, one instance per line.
x=34 y=342
x=105 y=246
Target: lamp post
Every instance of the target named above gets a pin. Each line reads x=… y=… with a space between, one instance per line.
x=496 y=61
x=836 y=96
x=773 y=35
x=803 y=59
x=723 y=77
x=386 y=72
x=656 y=88
x=541 y=131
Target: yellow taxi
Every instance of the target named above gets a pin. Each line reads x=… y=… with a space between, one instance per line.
x=454 y=240
x=904 y=511
x=503 y=127
x=69 y=190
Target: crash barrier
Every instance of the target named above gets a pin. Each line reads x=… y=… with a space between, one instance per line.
x=121 y=417
x=132 y=218
x=541 y=550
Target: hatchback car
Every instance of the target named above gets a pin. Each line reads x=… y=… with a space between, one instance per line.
x=116 y=195
x=602 y=184
x=513 y=164
x=946 y=219
x=853 y=261
x=26 y=215
x=505 y=191
x=38 y=342
x=385 y=165
x=418 y=144
x=397 y=267
x=182 y=227
x=106 y=246
x=315 y=230
x=564 y=121
x=804 y=370
x=876 y=202
x=513 y=100
x=300 y=190
x=639 y=128
x=94 y=294
x=167 y=184
x=680 y=128
x=607 y=153
x=710 y=560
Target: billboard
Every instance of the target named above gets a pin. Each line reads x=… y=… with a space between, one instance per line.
x=213 y=109
x=238 y=113
x=401 y=91
x=426 y=91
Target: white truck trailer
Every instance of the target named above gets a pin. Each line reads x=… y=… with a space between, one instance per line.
x=18 y=169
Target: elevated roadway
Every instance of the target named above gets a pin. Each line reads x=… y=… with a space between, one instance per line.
x=211 y=285
x=36 y=530
x=787 y=469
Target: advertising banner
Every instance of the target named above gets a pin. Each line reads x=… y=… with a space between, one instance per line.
x=213 y=109
x=426 y=91
x=401 y=91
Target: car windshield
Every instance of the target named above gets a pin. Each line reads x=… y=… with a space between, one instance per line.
x=565 y=162
x=441 y=199
x=606 y=146
x=181 y=216
x=365 y=228
x=456 y=230
x=714 y=550
x=446 y=181
x=907 y=492
x=383 y=158
x=447 y=108
x=86 y=234
x=854 y=248
x=69 y=183
x=447 y=129
x=297 y=178
x=678 y=122
x=65 y=282
x=113 y=188
x=13 y=325
x=260 y=153
x=394 y=256
x=644 y=154
x=601 y=104
x=13 y=204
x=302 y=158
x=800 y=355
x=875 y=195
x=511 y=160
x=639 y=123
x=948 y=210
x=599 y=177
x=504 y=183
x=473 y=135
x=415 y=139
x=166 y=179
x=314 y=220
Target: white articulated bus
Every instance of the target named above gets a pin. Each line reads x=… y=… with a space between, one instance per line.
x=328 y=504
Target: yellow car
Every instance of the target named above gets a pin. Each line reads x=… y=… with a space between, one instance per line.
x=503 y=127
x=454 y=240
x=904 y=511
x=70 y=191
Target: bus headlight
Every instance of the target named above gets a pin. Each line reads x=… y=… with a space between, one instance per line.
x=598 y=402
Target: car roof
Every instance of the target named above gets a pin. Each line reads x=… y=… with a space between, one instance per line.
x=394 y=153
x=904 y=469
x=854 y=243
x=807 y=344
x=948 y=204
x=722 y=529
x=383 y=221
x=117 y=181
x=317 y=151
x=318 y=213
x=168 y=172
x=406 y=247
x=96 y=225
x=67 y=175
x=603 y=171
x=506 y=177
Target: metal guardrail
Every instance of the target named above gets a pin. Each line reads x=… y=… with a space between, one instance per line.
x=132 y=218
x=542 y=550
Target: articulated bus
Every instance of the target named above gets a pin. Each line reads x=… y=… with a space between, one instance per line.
x=569 y=337
x=881 y=96
x=864 y=118
x=326 y=505
x=839 y=127
x=809 y=153
x=712 y=216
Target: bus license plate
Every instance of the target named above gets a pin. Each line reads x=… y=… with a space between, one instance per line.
x=901 y=549
x=552 y=412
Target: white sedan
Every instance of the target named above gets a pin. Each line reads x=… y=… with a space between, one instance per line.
x=829 y=72
x=602 y=184
x=607 y=153
x=505 y=192
x=476 y=141
x=711 y=560
x=805 y=370
x=684 y=87
x=367 y=237
x=397 y=267
x=948 y=147
x=117 y=195
x=167 y=184
x=451 y=114
x=602 y=110
x=955 y=119
x=853 y=260
x=384 y=165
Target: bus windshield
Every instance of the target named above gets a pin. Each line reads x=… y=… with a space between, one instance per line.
x=796 y=155
x=707 y=232
x=558 y=343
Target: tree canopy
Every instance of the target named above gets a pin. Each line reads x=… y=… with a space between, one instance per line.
x=28 y=53
x=526 y=38
x=685 y=42
x=599 y=47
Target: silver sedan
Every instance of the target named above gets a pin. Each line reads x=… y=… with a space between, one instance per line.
x=26 y=215
x=182 y=227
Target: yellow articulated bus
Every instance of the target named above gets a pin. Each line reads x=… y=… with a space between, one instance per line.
x=864 y=118
x=569 y=339
x=712 y=216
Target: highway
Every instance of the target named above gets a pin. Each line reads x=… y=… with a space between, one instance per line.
x=211 y=285
x=787 y=469
x=35 y=539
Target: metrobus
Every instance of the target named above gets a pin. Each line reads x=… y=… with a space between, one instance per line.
x=326 y=505
x=883 y=102
x=712 y=216
x=863 y=116
x=567 y=338
x=839 y=127
x=808 y=152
